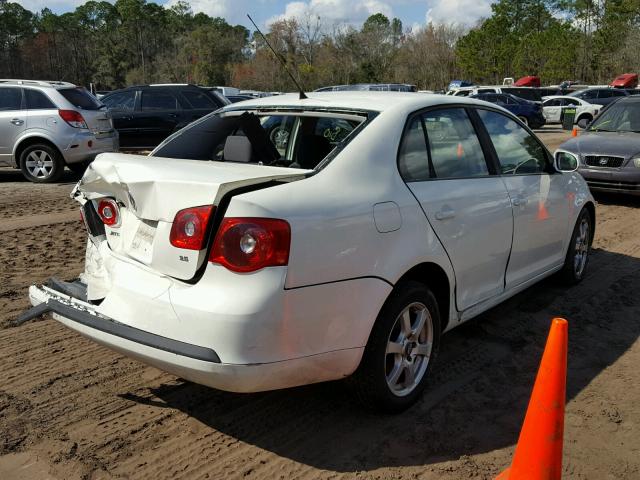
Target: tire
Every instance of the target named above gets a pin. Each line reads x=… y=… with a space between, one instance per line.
x=524 y=120
x=577 y=259
x=391 y=381
x=41 y=163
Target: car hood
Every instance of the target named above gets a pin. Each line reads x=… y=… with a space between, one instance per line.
x=620 y=144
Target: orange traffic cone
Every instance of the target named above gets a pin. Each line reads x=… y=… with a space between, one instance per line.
x=574 y=132
x=460 y=151
x=538 y=453
x=543 y=214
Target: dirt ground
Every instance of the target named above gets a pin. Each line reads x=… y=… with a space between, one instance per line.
x=70 y=409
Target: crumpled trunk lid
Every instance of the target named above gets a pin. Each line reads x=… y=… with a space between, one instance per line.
x=149 y=192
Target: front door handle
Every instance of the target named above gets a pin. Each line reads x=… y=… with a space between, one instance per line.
x=519 y=200
x=445 y=213
x=17 y=121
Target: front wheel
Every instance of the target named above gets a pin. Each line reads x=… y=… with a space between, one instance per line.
x=575 y=264
x=401 y=350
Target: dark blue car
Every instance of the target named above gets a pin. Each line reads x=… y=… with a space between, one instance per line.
x=529 y=112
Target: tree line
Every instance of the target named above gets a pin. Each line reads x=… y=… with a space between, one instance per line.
x=136 y=42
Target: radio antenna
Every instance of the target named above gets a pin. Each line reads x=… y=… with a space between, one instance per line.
x=280 y=59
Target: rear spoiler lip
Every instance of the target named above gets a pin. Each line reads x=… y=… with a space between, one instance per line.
x=75 y=310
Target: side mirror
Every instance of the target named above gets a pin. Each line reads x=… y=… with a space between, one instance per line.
x=565 y=161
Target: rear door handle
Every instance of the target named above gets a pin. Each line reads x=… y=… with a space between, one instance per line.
x=445 y=213
x=16 y=121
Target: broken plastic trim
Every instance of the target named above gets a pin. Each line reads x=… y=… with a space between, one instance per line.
x=112 y=327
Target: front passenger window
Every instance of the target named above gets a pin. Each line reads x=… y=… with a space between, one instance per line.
x=518 y=151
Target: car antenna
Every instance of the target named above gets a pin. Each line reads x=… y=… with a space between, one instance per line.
x=279 y=57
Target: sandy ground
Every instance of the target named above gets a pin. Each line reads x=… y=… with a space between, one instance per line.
x=70 y=409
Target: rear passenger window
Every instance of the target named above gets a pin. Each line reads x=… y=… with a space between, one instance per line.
x=453 y=144
x=198 y=100
x=37 y=100
x=10 y=98
x=518 y=151
x=413 y=160
x=152 y=100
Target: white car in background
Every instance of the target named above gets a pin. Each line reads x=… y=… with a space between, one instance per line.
x=553 y=106
x=378 y=222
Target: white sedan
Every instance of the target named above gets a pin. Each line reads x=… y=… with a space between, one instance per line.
x=553 y=106
x=287 y=241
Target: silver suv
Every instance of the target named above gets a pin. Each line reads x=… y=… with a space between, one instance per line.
x=47 y=125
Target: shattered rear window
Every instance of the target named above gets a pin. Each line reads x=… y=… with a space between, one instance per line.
x=285 y=139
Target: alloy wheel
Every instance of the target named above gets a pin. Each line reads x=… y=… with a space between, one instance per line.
x=581 y=248
x=39 y=164
x=408 y=349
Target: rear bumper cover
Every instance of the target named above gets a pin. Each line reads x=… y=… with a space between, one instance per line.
x=192 y=362
x=45 y=301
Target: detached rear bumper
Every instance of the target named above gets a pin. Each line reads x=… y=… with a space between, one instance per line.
x=191 y=362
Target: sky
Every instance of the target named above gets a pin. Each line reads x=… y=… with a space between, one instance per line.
x=413 y=13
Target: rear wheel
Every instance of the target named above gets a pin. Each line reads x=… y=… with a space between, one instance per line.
x=41 y=163
x=401 y=349
x=575 y=264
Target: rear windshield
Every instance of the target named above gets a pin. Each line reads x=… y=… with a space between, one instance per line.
x=80 y=98
x=286 y=139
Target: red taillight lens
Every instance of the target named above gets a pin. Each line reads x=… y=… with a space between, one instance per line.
x=189 y=227
x=109 y=212
x=73 y=118
x=249 y=244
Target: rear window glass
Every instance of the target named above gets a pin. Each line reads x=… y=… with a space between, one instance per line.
x=10 y=98
x=37 y=100
x=279 y=139
x=152 y=100
x=80 y=98
x=198 y=99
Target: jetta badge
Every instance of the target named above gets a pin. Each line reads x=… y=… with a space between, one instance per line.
x=604 y=161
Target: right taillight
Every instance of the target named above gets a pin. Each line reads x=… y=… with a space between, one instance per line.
x=189 y=227
x=250 y=244
x=109 y=212
x=73 y=118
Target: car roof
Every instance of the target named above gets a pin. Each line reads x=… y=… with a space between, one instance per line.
x=37 y=83
x=358 y=100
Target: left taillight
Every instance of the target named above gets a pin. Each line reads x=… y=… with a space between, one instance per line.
x=250 y=244
x=109 y=212
x=189 y=227
x=73 y=118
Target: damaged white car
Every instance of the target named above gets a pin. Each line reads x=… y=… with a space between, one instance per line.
x=287 y=241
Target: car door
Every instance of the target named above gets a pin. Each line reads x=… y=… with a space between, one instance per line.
x=159 y=115
x=540 y=208
x=122 y=105
x=445 y=167
x=551 y=110
x=13 y=121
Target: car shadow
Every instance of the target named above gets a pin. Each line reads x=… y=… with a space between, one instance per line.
x=477 y=395
x=8 y=175
x=621 y=199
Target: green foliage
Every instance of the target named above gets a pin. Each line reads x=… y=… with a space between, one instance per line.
x=140 y=41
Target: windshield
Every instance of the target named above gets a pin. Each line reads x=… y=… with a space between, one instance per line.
x=80 y=98
x=619 y=117
x=286 y=139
